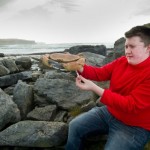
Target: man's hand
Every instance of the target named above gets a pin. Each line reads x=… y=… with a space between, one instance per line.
x=83 y=83
x=88 y=85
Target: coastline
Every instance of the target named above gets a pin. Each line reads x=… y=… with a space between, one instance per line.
x=24 y=49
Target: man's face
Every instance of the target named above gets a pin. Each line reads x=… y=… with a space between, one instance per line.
x=135 y=50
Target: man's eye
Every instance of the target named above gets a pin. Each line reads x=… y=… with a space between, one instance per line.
x=131 y=46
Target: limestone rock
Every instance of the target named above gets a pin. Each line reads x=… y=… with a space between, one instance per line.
x=9 y=112
x=23 y=97
x=34 y=134
x=61 y=92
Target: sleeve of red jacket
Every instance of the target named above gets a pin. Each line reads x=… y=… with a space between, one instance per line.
x=99 y=73
x=134 y=103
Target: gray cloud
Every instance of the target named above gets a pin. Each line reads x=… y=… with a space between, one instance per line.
x=51 y=5
x=34 y=13
x=47 y=9
x=144 y=12
x=5 y=2
x=68 y=5
x=143 y=8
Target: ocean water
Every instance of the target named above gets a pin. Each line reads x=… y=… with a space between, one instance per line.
x=42 y=48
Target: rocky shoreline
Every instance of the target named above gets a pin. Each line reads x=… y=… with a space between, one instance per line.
x=37 y=103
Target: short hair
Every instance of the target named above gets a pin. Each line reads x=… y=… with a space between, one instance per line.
x=141 y=31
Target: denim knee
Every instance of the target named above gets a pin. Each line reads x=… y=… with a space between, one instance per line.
x=74 y=125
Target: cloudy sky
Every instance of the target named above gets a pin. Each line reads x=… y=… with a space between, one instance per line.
x=71 y=21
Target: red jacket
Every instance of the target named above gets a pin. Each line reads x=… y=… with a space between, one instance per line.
x=128 y=97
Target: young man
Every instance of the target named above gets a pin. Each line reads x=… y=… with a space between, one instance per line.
x=125 y=116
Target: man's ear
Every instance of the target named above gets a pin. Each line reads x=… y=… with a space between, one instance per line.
x=148 y=47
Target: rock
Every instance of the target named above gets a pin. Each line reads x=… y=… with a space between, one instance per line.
x=63 y=93
x=10 y=64
x=9 y=112
x=36 y=75
x=40 y=101
x=119 y=48
x=54 y=74
x=46 y=113
x=60 y=116
x=23 y=97
x=88 y=106
x=24 y=62
x=2 y=55
x=119 y=45
x=11 y=79
x=93 y=59
x=34 y=134
x=9 y=90
x=98 y=49
x=3 y=70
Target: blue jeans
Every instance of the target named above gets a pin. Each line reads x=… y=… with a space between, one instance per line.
x=99 y=121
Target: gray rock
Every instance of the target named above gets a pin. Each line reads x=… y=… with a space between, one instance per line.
x=119 y=45
x=98 y=49
x=40 y=101
x=55 y=74
x=11 y=79
x=46 y=113
x=9 y=112
x=9 y=90
x=88 y=106
x=23 y=97
x=3 y=70
x=60 y=116
x=24 y=62
x=93 y=59
x=34 y=134
x=61 y=92
x=2 y=55
x=36 y=75
x=10 y=64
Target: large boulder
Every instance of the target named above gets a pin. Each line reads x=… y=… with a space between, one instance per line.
x=34 y=134
x=118 y=51
x=11 y=65
x=93 y=59
x=2 y=55
x=23 y=97
x=23 y=63
x=47 y=113
x=64 y=93
x=11 y=79
x=3 y=70
x=119 y=47
x=9 y=112
x=98 y=49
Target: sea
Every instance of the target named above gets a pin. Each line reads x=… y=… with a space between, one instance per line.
x=43 y=48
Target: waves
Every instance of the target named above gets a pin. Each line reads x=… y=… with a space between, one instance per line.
x=41 y=47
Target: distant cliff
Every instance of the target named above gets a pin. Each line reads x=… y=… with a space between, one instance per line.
x=15 y=41
x=147 y=25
